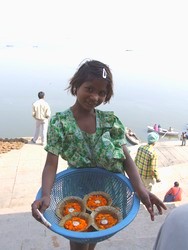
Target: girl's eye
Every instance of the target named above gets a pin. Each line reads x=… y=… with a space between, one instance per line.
x=89 y=89
x=102 y=93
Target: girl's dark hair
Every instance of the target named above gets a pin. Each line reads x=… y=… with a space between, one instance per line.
x=88 y=71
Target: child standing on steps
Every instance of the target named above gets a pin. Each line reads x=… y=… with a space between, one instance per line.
x=87 y=137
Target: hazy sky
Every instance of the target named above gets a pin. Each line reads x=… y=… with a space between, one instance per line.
x=131 y=34
x=126 y=24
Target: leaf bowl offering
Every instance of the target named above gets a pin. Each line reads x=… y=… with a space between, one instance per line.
x=96 y=199
x=69 y=205
x=106 y=217
x=78 y=222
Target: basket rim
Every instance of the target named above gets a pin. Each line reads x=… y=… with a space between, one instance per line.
x=103 y=233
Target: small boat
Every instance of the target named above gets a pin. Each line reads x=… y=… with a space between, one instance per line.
x=131 y=137
x=163 y=131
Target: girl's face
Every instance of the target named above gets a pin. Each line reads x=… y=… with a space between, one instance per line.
x=92 y=93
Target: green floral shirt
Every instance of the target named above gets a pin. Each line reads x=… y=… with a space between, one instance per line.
x=80 y=149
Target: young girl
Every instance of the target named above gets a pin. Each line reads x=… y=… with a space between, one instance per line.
x=87 y=137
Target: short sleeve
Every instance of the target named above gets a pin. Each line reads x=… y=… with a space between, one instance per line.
x=109 y=151
x=54 y=135
x=118 y=132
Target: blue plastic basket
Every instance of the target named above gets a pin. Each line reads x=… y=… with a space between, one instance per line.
x=79 y=182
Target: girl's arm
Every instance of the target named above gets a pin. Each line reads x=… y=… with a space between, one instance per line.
x=132 y=171
x=147 y=198
x=48 y=177
x=49 y=173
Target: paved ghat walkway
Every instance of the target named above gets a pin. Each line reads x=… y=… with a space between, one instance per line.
x=169 y=152
x=20 y=179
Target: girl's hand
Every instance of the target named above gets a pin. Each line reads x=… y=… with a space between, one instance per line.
x=41 y=204
x=149 y=200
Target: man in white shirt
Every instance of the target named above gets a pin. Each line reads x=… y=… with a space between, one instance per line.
x=41 y=112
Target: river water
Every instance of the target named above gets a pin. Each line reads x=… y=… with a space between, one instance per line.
x=142 y=96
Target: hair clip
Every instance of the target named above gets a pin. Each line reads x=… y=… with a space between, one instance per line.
x=104 y=73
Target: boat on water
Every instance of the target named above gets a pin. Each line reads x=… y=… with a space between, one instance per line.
x=164 y=131
x=131 y=137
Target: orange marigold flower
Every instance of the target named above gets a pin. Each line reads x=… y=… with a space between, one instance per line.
x=71 y=207
x=105 y=220
x=95 y=201
x=76 y=224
